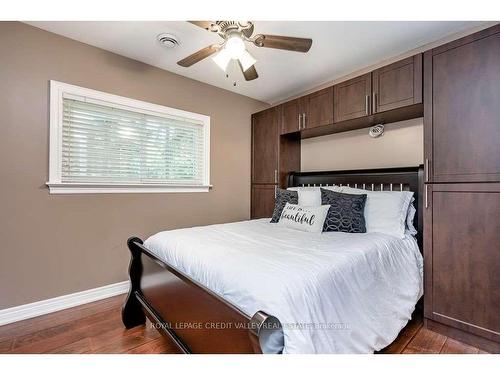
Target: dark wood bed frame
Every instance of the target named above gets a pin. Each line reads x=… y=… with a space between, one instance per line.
x=200 y=321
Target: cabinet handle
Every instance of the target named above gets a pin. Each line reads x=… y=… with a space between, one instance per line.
x=374 y=104
x=367 y=103
x=303 y=121
x=426 y=170
x=300 y=118
x=275 y=176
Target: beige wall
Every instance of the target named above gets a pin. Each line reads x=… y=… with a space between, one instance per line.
x=54 y=244
x=401 y=145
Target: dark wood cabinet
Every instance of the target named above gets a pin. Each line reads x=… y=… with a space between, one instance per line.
x=317 y=108
x=291 y=116
x=462 y=256
x=307 y=112
x=352 y=98
x=389 y=94
x=265 y=141
x=462 y=106
x=277 y=131
x=397 y=85
x=391 y=87
x=262 y=201
x=461 y=219
x=273 y=157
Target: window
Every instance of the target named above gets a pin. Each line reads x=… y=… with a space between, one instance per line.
x=103 y=143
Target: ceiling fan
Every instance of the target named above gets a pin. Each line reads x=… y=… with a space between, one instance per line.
x=235 y=34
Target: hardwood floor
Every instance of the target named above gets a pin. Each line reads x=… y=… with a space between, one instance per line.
x=97 y=328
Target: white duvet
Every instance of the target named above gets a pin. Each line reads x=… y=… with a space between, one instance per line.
x=333 y=292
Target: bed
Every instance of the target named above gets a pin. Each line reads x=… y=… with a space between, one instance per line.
x=257 y=287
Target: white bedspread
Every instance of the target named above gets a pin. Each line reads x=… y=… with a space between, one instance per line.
x=333 y=292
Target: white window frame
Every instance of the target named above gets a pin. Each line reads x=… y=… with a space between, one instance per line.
x=60 y=90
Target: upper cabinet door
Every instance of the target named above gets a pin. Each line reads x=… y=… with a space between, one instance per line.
x=291 y=117
x=265 y=139
x=397 y=85
x=462 y=109
x=317 y=108
x=352 y=98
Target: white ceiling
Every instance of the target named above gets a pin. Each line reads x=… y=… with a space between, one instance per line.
x=339 y=48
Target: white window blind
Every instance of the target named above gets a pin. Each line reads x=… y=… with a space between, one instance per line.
x=105 y=144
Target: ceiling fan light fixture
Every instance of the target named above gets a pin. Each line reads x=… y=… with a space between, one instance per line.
x=246 y=60
x=222 y=59
x=235 y=34
x=235 y=46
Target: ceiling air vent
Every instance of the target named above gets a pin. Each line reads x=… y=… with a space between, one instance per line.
x=168 y=40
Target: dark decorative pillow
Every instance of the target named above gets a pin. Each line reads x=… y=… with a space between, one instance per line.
x=282 y=198
x=346 y=213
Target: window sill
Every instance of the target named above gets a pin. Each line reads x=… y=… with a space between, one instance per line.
x=85 y=188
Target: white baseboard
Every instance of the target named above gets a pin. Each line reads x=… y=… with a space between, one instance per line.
x=30 y=310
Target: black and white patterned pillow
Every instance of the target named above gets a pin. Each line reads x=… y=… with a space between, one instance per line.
x=282 y=198
x=346 y=213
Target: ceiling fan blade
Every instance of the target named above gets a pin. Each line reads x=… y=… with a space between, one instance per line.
x=198 y=56
x=207 y=25
x=249 y=74
x=283 y=42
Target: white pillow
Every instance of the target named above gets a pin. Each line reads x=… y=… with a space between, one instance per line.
x=306 y=219
x=311 y=196
x=385 y=211
x=308 y=196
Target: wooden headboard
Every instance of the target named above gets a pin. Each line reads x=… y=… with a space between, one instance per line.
x=397 y=179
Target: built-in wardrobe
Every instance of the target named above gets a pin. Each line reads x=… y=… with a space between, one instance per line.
x=456 y=87
x=462 y=211
x=391 y=93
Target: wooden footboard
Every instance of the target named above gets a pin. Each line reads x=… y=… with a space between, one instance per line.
x=195 y=318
